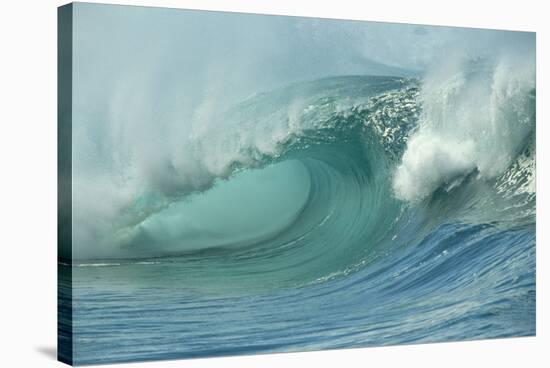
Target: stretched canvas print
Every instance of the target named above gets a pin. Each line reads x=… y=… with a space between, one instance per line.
x=240 y=184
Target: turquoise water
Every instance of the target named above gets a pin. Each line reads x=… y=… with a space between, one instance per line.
x=332 y=235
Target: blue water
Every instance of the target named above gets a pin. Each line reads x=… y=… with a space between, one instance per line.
x=334 y=258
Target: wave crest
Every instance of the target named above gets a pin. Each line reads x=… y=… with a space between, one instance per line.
x=477 y=116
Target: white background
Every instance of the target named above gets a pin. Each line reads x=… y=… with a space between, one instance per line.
x=28 y=181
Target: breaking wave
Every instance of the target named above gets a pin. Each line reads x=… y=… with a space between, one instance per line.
x=320 y=179
x=352 y=211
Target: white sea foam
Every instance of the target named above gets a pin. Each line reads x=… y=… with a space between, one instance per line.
x=97 y=264
x=477 y=116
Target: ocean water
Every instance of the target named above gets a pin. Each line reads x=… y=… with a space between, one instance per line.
x=342 y=212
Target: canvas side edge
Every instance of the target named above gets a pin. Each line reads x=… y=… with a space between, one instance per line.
x=64 y=183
